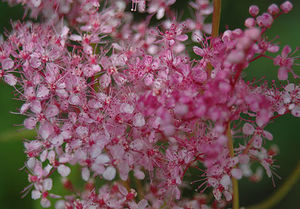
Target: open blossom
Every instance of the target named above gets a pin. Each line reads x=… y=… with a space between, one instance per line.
x=122 y=99
x=285 y=63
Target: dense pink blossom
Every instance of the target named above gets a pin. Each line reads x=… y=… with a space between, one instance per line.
x=118 y=97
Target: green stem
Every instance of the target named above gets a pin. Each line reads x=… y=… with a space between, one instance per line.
x=15 y=134
x=235 y=185
x=281 y=192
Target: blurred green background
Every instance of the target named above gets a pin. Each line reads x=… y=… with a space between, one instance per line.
x=285 y=129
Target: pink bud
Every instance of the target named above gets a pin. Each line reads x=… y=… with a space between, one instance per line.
x=198 y=51
x=273 y=9
x=250 y=22
x=226 y=35
x=286 y=6
x=265 y=20
x=253 y=10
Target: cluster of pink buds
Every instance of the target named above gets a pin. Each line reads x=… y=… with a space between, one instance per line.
x=123 y=101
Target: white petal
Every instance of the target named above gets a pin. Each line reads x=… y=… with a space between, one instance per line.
x=85 y=174
x=35 y=194
x=10 y=79
x=139 y=174
x=102 y=159
x=63 y=170
x=248 y=129
x=36 y=3
x=45 y=203
x=126 y=108
x=7 y=64
x=225 y=181
x=60 y=204
x=75 y=37
x=160 y=13
x=109 y=173
x=42 y=91
x=31 y=162
x=138 y=120
x=47 y=184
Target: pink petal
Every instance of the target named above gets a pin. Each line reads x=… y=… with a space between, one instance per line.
x=282 y=73
x=10 y=79
x=248 y=129
x=7 y=64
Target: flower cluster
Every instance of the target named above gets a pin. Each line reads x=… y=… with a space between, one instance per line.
x=124 y=100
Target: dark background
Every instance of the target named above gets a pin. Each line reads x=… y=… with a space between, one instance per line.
x=285 y=129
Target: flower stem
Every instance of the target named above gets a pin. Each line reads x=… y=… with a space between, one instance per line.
x=215 y=24
x=140 y=189
x=281 y=192
x=216 y=18
x=235 y=186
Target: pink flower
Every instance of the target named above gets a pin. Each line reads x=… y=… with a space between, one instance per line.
x=120 y=100
x=285 y=62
